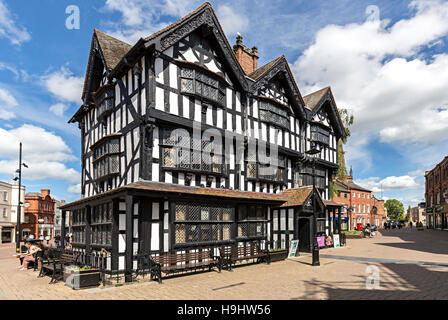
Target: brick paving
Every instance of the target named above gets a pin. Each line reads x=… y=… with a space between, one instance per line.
x=401 y=276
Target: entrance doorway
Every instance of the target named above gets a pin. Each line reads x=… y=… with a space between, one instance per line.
x=304 y=234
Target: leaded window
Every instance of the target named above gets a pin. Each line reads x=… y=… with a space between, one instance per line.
x=180 y=151
x=101 y=224
x=79 y=220
x=320 y=134
x=304 y=177
x=203 y=84
x=202 y=223
x=106 y=160
x=261 y=169
x=105 y=101
x=251 y=222
x=273 y=114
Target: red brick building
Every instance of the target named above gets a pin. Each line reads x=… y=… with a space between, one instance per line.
x=358 y=201
x=436 y=193
x=39 y=215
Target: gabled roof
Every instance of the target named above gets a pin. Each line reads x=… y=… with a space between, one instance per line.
x=312 y=99
x=351 y=185
x=111 y=51
x=279 y=65
x=296 y=196
x=260 y=71
x=316 y=100
x=165 y=38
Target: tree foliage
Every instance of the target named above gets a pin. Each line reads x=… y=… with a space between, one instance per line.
x=347 y=119
x=395 y=209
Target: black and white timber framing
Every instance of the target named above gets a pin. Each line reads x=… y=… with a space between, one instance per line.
x=129 y=103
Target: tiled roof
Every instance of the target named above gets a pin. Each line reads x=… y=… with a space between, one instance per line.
x=112 y=48
x=33 y=194
x=226 y=193
x=288 y=198
x=330 y=203
x=260 y=71
x=313 y=99
x=295 y=196
x=353 y=185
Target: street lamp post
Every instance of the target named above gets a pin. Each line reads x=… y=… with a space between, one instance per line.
x=19 y=206
x=312 y=152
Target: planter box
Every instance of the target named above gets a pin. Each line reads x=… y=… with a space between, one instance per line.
x=353 y=236
x=82 y=279
x=278 y=255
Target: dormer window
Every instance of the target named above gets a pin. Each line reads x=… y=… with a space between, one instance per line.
x=273 y=113
x=104 y=99
x=203 y=84
x=320 y=134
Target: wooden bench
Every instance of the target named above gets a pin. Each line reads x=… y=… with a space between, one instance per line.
x=179 y=262
x=56 y=265
x=230 y=255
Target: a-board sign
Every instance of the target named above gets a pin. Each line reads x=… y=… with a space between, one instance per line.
x=336 y=241
x=321 y=241
x=293 y=248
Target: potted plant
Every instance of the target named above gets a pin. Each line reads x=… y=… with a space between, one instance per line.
x=420 y=226
x=278 y=254
x=78 y=277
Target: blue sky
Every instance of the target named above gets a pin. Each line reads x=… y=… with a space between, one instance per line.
x=386 y=63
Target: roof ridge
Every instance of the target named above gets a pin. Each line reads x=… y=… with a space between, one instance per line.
x=96 y=31
x=264 y=68
x=169 y=27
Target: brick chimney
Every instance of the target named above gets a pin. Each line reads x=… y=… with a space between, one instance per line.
x=350 y=177
x=45 y=192
x=248 y=58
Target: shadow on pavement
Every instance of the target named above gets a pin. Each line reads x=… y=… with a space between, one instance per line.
x=396 y=282
x=430 y=241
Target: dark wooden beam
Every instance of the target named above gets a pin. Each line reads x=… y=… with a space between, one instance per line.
x=129 y=237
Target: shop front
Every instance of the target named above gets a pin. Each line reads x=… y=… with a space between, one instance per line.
x=7 y=233
x=157 y=218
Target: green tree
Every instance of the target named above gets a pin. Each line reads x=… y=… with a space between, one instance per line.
x=395 y=209
x=347 y=119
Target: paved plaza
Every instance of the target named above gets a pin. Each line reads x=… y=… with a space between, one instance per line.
x=405 y=264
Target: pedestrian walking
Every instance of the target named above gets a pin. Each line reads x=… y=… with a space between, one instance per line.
x=410 y=224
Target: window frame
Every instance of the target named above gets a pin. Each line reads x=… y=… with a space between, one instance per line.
x=218 y=168
x=202 y=78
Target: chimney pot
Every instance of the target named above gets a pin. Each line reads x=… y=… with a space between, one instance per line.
x=45 y=192
x=247 y=58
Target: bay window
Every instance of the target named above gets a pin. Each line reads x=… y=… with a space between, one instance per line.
x=273 y=113
x=203 y=84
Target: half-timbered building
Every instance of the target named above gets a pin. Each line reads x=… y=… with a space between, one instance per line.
x=177 y=132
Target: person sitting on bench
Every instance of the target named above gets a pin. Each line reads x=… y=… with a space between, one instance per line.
x=28 y=256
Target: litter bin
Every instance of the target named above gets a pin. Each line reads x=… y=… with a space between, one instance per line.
x=359 y=226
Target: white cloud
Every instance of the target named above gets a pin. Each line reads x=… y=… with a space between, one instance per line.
x=64 y=85
x=38 y=144
x=43 y=152
x=381 y=74
x=58 y=109
x=7 y=101
x=232 y=21
x=141 y=18
x=390 y=183
x=76 y=188
x=9 y=27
